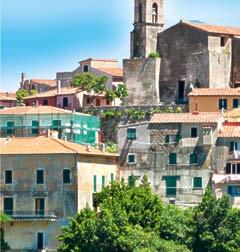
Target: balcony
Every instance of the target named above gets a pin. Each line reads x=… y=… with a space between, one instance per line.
x=32 y=215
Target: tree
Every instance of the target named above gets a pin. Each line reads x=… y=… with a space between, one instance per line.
x=216 y=225
x=3 y=219
x=21 y=93
x=127 y=221
x=96 y=86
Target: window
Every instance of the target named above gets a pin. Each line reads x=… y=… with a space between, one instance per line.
x=131 y=134
x=222 y=103
x=56 y=124
x=140 y=11
x=39 y=206
x=8 y=205
x=85 y=68
x=40 y=177
x=193 y=159
x=8 y=177
x=103 y=182
x=112 y=178
x=154 y=13
x=65 y=102
x=88 y=100
x=10 y=128
x=173 y=138
x=223 y=41
x=232 y=168
x=40 y=241
x=234 y=146
x=131 y=158
x=45 y=102
x=171 y=186
x=98 y=102
x=181 y=91
x=35 y=127
x=194 y=132
x=95 y=183
x=66 y=176
x=234 y=191
x=235 y=103
x=172 y=158
x=197 y=182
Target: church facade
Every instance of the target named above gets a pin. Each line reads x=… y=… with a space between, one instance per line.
x=192 y=55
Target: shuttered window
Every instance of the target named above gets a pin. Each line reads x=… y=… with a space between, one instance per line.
x=40 y=176
x=112 y=177
x=8 y=177
x=197 y=182
x=131 y=134
x=66 y=176
x=172 y=158
x=95 y=183
x=235 y=103
x=103 y=182
x=35 y=127
x=193 y=158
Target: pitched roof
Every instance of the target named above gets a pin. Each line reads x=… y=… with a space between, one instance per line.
x=52 y=93
x=233 y=116
x=215 y=92
x=112 y=71
x=224 y=30
x=45 y=145
x=44 y=82
x=6 y=96
x=33 y=110
x=196 y=117
x=230 y=132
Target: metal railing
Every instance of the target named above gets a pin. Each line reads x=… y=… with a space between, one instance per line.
x=32 y=215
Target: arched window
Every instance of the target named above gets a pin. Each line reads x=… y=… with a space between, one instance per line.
x=65 y=102
x=140 y=12
x=85 y=68
x=154 y=13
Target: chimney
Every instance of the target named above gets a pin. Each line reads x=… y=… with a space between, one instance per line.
x=58 y=87
x=23 y=77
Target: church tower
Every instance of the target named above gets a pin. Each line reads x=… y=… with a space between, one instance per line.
x=148 y=22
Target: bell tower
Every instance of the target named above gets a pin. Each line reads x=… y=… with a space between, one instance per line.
x=148 y=22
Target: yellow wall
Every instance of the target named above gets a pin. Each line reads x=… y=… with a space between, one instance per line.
x=209 y=103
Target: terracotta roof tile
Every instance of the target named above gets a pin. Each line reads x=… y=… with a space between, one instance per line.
x=230 y=132
x=225 y=30
x=196 y=117
x=215 y=92
x=232 y=116
x=112 y=71
x=45 y=145
x=51 y=83
x=33 y=110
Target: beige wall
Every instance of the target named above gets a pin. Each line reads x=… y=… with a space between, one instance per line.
x=209 y=103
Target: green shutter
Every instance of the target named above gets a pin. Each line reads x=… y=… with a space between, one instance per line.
x=112 y=178
x=171 y=186
x=35 y=123
x=172 y=158
x=197 y=182
x=131 y=134
x=167 y=139
x=103 y=182
x=131 y=159
x=95 y=183
x=193 y=158
x=178 y=138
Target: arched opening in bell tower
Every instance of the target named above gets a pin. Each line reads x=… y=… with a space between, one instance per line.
x=154 y=13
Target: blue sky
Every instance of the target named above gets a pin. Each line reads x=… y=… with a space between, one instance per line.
x=41 y=37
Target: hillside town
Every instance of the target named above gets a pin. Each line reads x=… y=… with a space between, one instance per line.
x=171 y=113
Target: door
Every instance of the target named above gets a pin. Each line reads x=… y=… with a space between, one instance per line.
x=171 y=186
x=181 y=90
x=39 y=241
x=39 y=206
x=8 y=206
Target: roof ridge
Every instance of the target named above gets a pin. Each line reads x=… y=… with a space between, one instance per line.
x=59 y=141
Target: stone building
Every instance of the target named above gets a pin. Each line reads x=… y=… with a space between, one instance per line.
x=45 y=181
x=98 y=67
x=192 y=54
x=179 y=153
x=40 y=120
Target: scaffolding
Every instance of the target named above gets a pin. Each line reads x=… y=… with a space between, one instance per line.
x=75 y=127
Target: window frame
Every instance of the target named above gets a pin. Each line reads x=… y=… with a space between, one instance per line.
x=194 y=135
x=194 y=183
x=131 y=154
x=43 y=170
x=103 y=181
x=169 y=158
x=222 y=104
x=9 y=212
x=95 y=185
x=195 y=158
x=130 y=135
x=8 y=183
x=236 y=194
x=70 y=176
x=235 y=100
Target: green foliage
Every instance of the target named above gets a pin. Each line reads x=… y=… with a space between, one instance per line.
x=91 y=83
x=33 y=92
x=3 y=219
x=111 y=147
x=154 y=55
x=217 y=225
x=20 y=94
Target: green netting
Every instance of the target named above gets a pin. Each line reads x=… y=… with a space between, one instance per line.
x=80 y=128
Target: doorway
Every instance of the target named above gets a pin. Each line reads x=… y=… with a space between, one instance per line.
x=40 y=240
x=39 y=206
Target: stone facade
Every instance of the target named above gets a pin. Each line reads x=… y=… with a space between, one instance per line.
x=141 y=76
x=61 y=200
x=236 y=62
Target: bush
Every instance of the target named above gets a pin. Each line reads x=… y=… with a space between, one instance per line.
x=154 y=55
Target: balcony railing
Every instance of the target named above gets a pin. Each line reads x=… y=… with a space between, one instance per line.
x=32 y=215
